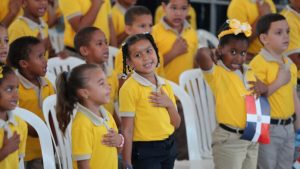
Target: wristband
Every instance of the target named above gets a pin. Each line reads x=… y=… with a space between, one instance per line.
x=122 y=142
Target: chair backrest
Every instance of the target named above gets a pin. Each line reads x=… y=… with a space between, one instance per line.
x=192 y=81
x=52 y=78
x=207 y=39
x=63 y=146
x=57 y=65
x=56 y=40
x=43 y=133
x=112 y=54
x=191 y=126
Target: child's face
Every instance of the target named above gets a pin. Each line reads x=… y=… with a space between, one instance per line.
x=36 y=8
x=141 y=24
x=176 y=12
x=36 y=64
x=143 y=58
x=234 y=53
x=4 y=46
x=9 y=93
x=277 y=38
x=98 y=90
x=96 y=52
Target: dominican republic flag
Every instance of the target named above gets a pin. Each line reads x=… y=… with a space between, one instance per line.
x=258 y=120
x=297 y=164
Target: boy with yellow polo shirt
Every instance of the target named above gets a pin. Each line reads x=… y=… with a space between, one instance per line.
x=191 y=16
x=268 y=65
x=82 y=13
x=27 y=55
x=250 y=11
x=138 y=19
x=117 y=12
x=176 y=39
x=91 y=44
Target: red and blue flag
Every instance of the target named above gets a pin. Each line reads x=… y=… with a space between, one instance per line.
x=258 y=120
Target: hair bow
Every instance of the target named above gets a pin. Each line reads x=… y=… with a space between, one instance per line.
x=236 y=27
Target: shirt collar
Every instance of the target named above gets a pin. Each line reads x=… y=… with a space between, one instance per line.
x=95 y=119
x=27 y=84
x=268 y=56
x=289 y=8
x=145 y=82
x=237 y=72
x=11 y=119
x=122 y=8
x=186 y=25
x=32 y=24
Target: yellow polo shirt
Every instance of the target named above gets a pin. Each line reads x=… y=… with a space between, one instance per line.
x=15 y=124
x=266 y=69
x=119 y=64
x=72 y=8
x=31 y=98
x=229 y=88
x=293 y=19
x=87 y=135
x=165 y=36
x=113 y=81
x=247 y=11
x=117 y=14
x=159 y=13
x=134 y=102
x=25 y=27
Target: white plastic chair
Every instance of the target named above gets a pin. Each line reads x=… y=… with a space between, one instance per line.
x=190 y=117
x=43 y=133
x=63 y=146
x=56 y=40
x=192 y=81
x=52 y=78
x=112 y=54
x=57 y=65
x=207 y=39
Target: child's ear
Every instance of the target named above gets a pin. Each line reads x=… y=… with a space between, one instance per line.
x=23 y=64
x=83 y=93
x=83 y=51
x=164 y=6
x=128 y=29
x=263 y=38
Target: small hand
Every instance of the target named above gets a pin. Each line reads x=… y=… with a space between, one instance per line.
x=160 y=99
x=11 y=144
x=112 y=138
x=263 y=7
x=284 y=75
x=258 y=87
x=180 y=46
x=14 y=6
x=97 y=2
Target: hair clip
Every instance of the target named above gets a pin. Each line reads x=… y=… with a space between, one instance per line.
x=236 y=27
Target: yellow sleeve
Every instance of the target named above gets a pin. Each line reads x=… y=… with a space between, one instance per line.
x=15 y=31
x=211 y=76
x=257 y=67
x=171 y=93
x=23 y=137
x=108 y=6
x=193 y=20
x=158 y=14
x=294 y=45
x=128 y=98
x=236 y=9
x=70 y=8
x=82 y=145
x=119 y=63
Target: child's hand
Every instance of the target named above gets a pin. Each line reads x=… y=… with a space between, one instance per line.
x=180 y=46
x=112 y=138
x=258 y=87
x=11 y=144
x=14 y=6
x=263 y=7
x=97 y=2
x=283 y=75
x=160 y=99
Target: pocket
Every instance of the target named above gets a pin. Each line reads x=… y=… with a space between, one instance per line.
x=220 y=136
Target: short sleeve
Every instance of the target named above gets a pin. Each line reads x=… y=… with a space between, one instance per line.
x=70 y=11
x=170 y=93
x=81 y=142
x=128 y=99
x=258 y=70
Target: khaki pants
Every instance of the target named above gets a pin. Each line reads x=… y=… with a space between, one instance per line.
x=279 y=154
x=230 y=152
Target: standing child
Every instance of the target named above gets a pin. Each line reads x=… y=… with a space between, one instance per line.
x=118 y=11
x=27 y=55
x=175 y=38
x=94 y=132
x=4 y=46
x=138 y=19
x=224 y=71
x=13 y=130
x=147 y=99
x=279 y=73
x=91 y=44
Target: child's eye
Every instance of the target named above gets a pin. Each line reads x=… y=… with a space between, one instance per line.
x=143 y=26
x=9 y=89
x=137 y=55
x=243 y=53
x=149 y=50
x=6 y=40
x=233 y=52
x=184 y=8
x=173 y=8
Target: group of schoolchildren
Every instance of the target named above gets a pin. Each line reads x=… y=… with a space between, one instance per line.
x=143 y=129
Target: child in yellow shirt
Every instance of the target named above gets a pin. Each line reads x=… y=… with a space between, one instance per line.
x=94 y=133
x=175 y=38
x=92 y=45
x=117 y=13
x=27 y=55
x=13 y=130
